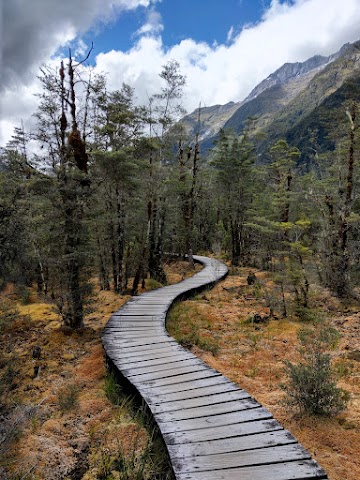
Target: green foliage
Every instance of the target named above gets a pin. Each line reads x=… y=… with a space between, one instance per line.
x=311 y=386
x=112 y=389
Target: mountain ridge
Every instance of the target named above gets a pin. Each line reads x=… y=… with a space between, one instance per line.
x=280 y=101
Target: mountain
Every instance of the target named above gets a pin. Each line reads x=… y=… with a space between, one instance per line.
x=295 y=98
x=212 y=119
x=320 y=107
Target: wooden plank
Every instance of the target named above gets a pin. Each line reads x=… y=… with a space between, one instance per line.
x=136 y=310
x=125 y=342
x=199 y=401
x=213 y=421
x=186 y=377
x=144 y=333
x=152 y=351
x=132 y=325
x=220 y=387
x=232 y=444
x=122 y=318
x=173 y=366
x=172 y=358
x=260 y=456
x=140 y=346
x=261 y=422
x=295 y=470
x=204 y=411
x=160 y=356
x=168 y=373
x=204 y=381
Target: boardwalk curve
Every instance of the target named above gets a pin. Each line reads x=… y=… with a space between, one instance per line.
x=213 y=429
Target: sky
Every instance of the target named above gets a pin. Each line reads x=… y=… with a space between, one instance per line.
x=224 y=47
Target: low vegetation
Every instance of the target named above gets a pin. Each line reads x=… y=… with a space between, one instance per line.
x=315 y=393
x=62 y=415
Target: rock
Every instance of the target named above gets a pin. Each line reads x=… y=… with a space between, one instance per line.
x=36 y=353
x=251 y=279
x=260 y=319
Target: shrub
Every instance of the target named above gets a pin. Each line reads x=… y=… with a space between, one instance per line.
x=311 y=385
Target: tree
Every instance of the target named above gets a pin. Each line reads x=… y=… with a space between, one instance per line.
x=164 y=108
x=67 y=158
x=233 y=160
x=117 y=171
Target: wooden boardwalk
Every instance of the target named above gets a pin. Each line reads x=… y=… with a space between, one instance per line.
x=213 y=429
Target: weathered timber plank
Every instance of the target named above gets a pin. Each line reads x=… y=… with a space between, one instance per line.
x=125 y=342
x=152 y=351
x=212 y=421
x=232 y=444
x=121 y=317
x=186 y=377
x=220 y=387
x=172 y=358
x=169 y=374
x=205 y=411
x=140 y=346
x=199 y=401
x=261 y=422
x=296 y=470
x=136 y=310
x=173 y=366
x=260 y=456
x=185 y=386
x=158 y=356
x=139 y=334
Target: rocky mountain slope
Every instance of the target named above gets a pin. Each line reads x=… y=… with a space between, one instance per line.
x=289 y=101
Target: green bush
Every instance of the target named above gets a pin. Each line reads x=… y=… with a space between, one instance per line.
x=311 y=386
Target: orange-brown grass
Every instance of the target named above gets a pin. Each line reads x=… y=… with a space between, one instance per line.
x=252 y=355
x=179 y=270
x=65 y=425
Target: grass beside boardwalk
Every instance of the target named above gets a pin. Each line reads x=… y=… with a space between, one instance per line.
x=62 y=416
x=220 y=326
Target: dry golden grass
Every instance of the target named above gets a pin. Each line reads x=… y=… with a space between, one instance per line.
x=67 y=427
x=252 y=355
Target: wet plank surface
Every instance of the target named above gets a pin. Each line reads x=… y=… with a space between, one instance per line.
x=213 y=429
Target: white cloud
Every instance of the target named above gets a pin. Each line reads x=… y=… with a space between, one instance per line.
x=222 y=73
x=153 y=25
x=287 y=32
x=230 y=34
x=32 y=32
